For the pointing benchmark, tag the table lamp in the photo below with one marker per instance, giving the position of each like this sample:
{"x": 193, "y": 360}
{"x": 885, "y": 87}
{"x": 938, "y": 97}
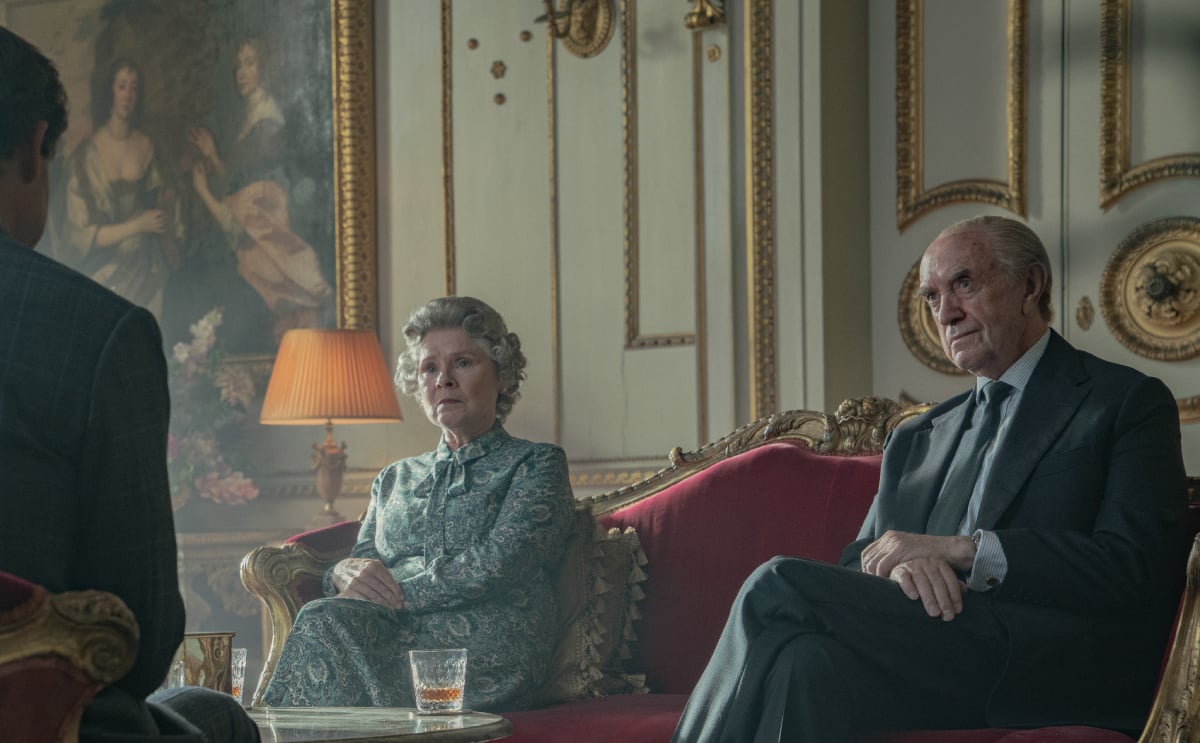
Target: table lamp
{"x": 326, "y": 377}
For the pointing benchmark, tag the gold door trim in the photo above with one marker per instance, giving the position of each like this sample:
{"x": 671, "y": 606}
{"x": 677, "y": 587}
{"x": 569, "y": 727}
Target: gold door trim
{"x": 629, "y": 134}
{"x": 448, "y": 148}
{"x": 760, "y": 205}
{"x": 912, "y": 199}
{"x": 1117, "y": 175}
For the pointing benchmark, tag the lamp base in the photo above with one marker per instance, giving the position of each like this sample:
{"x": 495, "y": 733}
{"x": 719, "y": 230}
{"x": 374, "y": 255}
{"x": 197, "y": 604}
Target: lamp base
{"x": 329, "y": 464}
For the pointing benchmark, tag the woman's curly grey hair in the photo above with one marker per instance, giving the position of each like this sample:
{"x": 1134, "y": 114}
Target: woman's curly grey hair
{"x": 481, "y": 323}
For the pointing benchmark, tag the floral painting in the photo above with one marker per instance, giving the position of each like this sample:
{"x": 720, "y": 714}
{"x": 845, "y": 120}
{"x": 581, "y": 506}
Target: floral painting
{"x": 205, "y": 446}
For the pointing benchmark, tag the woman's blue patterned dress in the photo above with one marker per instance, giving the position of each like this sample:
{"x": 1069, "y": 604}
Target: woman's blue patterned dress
{"x": 475, "y": 538}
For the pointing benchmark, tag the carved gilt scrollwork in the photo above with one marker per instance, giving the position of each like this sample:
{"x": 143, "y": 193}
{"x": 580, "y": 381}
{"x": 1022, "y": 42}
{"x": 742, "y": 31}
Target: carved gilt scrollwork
{"x": 1150, "y": 290}
{"x": 92, "y": 629}
{"x": 705, "y": 14}
{"x": 858, "y": 427}
{"x": 267, "y": 572}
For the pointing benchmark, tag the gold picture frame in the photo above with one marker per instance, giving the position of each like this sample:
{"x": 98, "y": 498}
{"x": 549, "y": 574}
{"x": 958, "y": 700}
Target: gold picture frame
{"x": 187, "y": 78}
{"x": 912, "y": 198}
{"x": 1118, "y": 176}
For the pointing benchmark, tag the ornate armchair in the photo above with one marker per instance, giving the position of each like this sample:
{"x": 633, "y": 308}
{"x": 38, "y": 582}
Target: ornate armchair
{"x": 56, "y": 652}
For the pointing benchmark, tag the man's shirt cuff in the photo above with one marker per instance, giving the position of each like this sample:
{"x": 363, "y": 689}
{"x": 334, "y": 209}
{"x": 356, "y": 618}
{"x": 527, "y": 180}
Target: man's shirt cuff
{"x": 990, "y": 565}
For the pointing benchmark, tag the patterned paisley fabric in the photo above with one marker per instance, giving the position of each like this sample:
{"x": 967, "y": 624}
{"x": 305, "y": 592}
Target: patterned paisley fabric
{"x": 475, "y": 538}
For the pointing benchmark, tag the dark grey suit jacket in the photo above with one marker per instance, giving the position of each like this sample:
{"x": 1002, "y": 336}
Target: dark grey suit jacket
{"x": 84, "y": 411}
{"x": 1088, "y": 498}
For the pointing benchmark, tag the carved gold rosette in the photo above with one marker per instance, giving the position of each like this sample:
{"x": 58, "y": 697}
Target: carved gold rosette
{"x": 918, "y": 329}
{"x": 1150, "y": 290}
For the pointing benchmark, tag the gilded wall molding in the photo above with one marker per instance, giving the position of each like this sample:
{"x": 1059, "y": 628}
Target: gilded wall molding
{"x": 1117, "y": 175}
{"x": 1189, "y": 409}
{"x": 701, "y": 236}
{"x": 912, "y": 198}
{"x": 918, "y": 328}
{"x": 1150, "y": 290}
{"x": 760, "y": 204}
{"x": 448, "y": 148}
{"x": 629, "y": 134}
{"x": 555, "y": 270}
{"x": 353, "y": 39}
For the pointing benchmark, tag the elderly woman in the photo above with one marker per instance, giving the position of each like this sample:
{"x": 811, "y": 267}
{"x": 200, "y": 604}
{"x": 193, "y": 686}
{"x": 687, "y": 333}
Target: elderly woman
{"x": 459, "y": 546}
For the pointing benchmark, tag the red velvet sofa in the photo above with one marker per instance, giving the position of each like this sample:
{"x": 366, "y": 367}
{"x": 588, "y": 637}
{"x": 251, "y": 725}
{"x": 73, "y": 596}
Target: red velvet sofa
{"x": 796, "y": 483}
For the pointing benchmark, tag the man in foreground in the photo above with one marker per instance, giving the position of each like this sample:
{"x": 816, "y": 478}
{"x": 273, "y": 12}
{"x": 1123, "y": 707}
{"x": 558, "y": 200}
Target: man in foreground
{"x": 1021, "y": 563}
{"x": 83, "y": 432}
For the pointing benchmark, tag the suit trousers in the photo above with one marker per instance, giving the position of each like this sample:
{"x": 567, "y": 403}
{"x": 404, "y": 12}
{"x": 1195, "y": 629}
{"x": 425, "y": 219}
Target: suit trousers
{"x": 817, "y": 652}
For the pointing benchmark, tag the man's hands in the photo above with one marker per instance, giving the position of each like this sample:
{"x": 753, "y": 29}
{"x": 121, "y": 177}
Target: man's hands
{"x": 924, "y": 566}
{"x": 369, "y": 580}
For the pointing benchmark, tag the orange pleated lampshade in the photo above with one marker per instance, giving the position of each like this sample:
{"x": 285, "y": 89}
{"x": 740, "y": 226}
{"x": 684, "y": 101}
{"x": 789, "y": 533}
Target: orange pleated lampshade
{"x": 330, "y": 375}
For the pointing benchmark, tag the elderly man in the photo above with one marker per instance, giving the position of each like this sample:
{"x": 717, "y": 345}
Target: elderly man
{"x": 1020, "y": 564}
{"x": 83, "y": 422}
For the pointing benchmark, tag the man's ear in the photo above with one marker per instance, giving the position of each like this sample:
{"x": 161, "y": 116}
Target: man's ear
{"x": 1035, "y": 284}
{"x": 29, "y": 155}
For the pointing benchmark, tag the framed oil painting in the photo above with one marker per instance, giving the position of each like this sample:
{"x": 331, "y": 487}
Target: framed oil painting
{"x": 220, "y": 154}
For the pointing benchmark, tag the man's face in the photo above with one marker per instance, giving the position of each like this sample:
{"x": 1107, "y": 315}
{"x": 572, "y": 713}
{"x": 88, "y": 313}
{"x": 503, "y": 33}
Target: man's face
{"x": 985, "y": 322}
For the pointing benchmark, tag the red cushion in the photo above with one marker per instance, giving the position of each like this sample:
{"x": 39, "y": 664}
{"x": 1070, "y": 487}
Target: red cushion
{"x": 651, "y": 718}
{"x": 1070, "y": 734}
{"x": 705, "y": 535}
{"x": 330, "y": 539}
{"x": 14, "y": 591}
{"x": 40, "y": 696}
{"x": 628, "y": 718}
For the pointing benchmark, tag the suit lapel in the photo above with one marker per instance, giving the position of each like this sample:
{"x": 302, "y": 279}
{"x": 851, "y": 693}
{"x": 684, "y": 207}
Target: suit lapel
{"x": 928, "y": 459}
{"x": 1055, "y": 390}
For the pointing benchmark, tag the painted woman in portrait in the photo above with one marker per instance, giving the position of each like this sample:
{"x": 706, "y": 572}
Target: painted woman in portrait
{"x": 121, "y": 225}
{"x": 247, "y": 194}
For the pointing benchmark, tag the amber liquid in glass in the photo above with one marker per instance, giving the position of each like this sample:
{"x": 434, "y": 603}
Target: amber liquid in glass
{"x": 439, "y": 698}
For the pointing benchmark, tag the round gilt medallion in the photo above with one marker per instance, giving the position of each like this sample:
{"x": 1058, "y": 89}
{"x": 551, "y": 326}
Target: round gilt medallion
{"x": 1150, "y": 290}
{"x": 918, "y": 328}
{"x": 588, "y": 26}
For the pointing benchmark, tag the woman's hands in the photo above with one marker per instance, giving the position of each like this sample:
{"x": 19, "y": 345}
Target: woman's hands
{"x": 369, "y": 580}
{"x": 202, "y": 139}
{"x": 151, "y": 220}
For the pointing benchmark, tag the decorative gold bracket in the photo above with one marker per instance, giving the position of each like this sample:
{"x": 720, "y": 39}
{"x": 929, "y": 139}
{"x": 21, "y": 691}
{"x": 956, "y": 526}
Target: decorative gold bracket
{"x": 583, "y": 26}
{"x": 705, "y": 14}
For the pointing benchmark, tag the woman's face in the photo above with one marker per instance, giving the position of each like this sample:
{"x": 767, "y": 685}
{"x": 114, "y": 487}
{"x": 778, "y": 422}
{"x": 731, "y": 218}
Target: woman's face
{"x": 124, "y": 93}
{"x": 247, "y": 70}
{"x": 458, "y": 384}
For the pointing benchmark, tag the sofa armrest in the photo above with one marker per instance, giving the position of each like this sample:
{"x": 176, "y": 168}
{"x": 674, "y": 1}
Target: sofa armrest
{"x": 56, "y": 652}
{"x": 1175, "y": 714}
{"x": 279, "y": 576}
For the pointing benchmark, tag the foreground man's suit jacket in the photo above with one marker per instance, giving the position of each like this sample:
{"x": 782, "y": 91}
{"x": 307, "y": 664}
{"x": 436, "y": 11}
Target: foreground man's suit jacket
{"x": 83, "y": 475}
{"x": 1088, "y": 498}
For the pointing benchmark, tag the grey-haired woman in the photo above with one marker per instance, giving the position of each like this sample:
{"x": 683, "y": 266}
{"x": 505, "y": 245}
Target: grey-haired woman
{"x": 459, "y": 546}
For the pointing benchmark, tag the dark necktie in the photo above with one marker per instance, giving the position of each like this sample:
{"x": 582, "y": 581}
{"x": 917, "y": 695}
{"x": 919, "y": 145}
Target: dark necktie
{"x": 964, "y": 471}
